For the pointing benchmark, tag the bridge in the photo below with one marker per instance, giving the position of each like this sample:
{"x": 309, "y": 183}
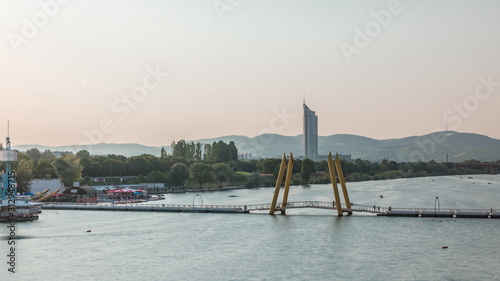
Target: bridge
{"x": 208, "y": 208}
{"x": 242, "y": 209}
{"x": 382, "y": 211}
{"x": 211, "y": 208}
{"x": 316, "y": 205}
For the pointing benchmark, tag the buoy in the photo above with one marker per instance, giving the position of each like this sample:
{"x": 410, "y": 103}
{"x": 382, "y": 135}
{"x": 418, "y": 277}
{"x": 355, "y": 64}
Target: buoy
{"x": 445, "y": 247}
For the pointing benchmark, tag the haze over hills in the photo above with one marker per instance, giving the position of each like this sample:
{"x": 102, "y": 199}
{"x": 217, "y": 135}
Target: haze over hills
{"x": 126, "y": 149}
{"x": 435, "y": 146}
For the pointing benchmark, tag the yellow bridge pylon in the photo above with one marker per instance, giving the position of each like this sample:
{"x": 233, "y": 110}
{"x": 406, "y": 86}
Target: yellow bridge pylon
{"x": 335, "y": 170}
{"x": 279, "y": 182}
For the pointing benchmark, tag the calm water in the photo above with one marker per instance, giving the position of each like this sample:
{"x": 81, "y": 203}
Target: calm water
{"x": 304, "y": 245}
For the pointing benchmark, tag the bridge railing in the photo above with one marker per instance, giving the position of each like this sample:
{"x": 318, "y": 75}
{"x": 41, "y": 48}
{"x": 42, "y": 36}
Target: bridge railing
{"x": 279, "y": 206}
{"x": 442, "y": 210}
{"x": 134, "y": 205}
{"x": 181, "y": 206}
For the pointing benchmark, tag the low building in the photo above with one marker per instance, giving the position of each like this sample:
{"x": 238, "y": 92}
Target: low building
{"x": 84, "y": 194}
{"x": 39, "y": 185}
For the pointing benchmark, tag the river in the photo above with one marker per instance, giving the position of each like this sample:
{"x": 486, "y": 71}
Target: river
{"x": 306, "y": 244}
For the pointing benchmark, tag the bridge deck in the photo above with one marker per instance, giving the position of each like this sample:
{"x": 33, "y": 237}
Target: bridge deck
{"x": 381, "y": 211}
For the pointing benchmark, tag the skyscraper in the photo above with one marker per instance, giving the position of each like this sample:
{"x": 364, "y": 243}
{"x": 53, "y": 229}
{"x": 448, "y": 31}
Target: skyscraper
{"x": 310, "y": 134}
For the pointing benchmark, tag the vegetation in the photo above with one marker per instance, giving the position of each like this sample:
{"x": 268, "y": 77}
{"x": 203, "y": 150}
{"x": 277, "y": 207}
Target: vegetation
{"x": 179, "y": 174}
{"x": 202, "y": 172}
{"x": 307, "y": 170}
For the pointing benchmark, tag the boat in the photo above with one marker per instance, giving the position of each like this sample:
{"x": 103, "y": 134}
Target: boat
{"x": 14, "y": 207}
{"x": 156, "y": 197}
{"x": 48, "y": 195}
{"x": 132, "y": 201}
{"x": 20, "y": 209}
{"x": 40, "y": 194}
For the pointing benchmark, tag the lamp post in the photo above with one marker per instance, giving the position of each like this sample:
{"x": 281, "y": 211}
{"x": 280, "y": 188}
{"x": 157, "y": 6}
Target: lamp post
{"x": 437, "y": 203}
{"x": 201, "y": 198}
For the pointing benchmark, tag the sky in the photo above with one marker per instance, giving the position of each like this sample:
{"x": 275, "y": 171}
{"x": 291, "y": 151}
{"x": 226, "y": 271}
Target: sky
{"x": 155, "y": 71}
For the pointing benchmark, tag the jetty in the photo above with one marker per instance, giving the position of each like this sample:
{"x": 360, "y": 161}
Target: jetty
{"x": 148, "y": 208}
{"x": 245, "y": 209}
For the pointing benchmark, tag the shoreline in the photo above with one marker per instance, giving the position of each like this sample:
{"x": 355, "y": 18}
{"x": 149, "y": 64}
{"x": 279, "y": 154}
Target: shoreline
{"x": 192, "y": 190}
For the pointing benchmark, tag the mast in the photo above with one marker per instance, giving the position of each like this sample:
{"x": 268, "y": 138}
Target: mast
{"x": 8, "y": 155}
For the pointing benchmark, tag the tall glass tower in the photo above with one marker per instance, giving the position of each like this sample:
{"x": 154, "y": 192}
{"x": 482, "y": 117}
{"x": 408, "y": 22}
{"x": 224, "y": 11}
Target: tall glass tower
{"x": 310, "y": 134}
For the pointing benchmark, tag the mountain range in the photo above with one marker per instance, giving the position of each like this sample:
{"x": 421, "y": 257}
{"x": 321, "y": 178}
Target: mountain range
{"x": 438, "y": 146}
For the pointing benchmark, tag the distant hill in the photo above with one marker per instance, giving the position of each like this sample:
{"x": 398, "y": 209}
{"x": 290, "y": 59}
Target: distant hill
{"x": 434, "y": 146}
{"x": 127, "y": 149}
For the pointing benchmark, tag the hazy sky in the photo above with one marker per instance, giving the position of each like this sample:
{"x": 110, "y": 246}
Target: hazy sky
{"x": 96, "y": 71}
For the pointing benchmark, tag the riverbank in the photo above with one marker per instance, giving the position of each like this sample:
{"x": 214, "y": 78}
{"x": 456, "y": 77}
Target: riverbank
{"x": 317, "y": 179}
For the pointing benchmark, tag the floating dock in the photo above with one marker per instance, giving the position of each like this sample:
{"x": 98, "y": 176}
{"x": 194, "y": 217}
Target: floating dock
{"x": 245, "y": 209}
{"x": 150, "y": 208}
{"x": 442, "y": 213}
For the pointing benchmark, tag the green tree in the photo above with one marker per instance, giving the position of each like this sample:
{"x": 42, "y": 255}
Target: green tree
{"x": 43, "y": 169}
{"x": 307, "y": 170}
{"x": 247, "y": 166}
{"x": 198, "y": 152}
{"x": 83, "y": 154}
{"x": 47, "y": 154}
{"x": 322, "y": 166}
{"x": 223, "y": 173}
{"x": 34, "y": 154}
{"x": 68, "y": 169}
{"x": 220, "y": 151}
{"x": 163, "y": 153}
{"x": 87, "y": 167}
{"x": 156, "y": 177}
{"x": 202, "y": 172}
{"x": 142, "y": 164}
{"x": 267, "y": 166}
{"x": 24, "y": 175}
{"x": 179, "y": 174}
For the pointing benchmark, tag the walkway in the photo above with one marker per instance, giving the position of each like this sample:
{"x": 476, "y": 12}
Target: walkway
{"x": 380, "y": 211}
{"x": 148, "y": 208}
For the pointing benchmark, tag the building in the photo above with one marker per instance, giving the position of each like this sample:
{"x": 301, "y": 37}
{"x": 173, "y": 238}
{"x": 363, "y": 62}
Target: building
{"x": 310, "y": 134}
{"x": 84, "y": 194}
{"x": 39, "y": 185}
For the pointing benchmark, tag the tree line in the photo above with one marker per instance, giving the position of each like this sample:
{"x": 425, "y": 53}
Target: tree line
{"x": 192, "y": 165}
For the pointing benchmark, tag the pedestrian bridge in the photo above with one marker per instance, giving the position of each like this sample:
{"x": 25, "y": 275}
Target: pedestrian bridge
{"x": 317, "y": 205}
{"x": 238, "y": 209}
{"x": 210, "y": 208}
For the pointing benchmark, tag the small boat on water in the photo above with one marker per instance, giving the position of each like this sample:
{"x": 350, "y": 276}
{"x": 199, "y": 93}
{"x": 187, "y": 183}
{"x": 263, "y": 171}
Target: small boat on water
{"x": 133, "y": 201}
{"x": 156, "y": 197}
